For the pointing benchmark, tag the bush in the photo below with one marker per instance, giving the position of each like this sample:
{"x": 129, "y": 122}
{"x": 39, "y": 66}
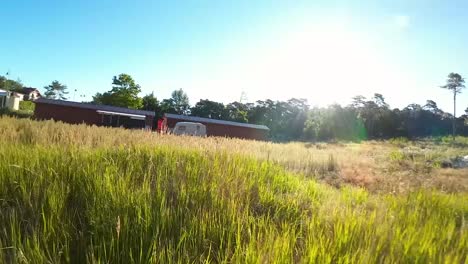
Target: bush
{"x": 399, "y": 141}
{"x": 17, "y": 114}
{"x": 28, "y": 106}
{"x": 397, "y": 156}
{"x": 458, "y": 141}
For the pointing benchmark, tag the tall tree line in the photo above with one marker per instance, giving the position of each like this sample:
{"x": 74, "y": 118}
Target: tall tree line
{"x": 363, "y": 119}
{"x": 293, "y": 119}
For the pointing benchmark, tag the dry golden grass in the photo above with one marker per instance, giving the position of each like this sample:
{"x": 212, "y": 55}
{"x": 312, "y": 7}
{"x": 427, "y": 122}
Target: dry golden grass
{"x": 379, "y": 166}
{"x": 78, "y": 194}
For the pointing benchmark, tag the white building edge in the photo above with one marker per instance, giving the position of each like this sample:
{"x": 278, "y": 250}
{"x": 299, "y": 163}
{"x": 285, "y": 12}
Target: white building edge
{"x": 10, "y": 100}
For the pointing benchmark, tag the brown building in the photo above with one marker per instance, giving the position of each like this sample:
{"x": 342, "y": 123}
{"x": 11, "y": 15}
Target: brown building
{"x": 100, "y": 115}
{"x": 219, "y": 128}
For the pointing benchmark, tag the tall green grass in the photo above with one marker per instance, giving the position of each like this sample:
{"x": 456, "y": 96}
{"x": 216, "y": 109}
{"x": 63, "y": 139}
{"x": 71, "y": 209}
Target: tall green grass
{"x": 149, "y": 203}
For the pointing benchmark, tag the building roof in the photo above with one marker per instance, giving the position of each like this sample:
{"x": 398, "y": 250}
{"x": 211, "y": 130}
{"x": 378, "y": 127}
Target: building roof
{"x": 101, "y": 108}
{"x": 28, "y": 90}
{"x": 132, "y": 116}
{"x": 16, "y": 94}
{"x": 214, "y": 121}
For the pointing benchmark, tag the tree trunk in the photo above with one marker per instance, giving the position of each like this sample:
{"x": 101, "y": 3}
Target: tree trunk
{"x": 454, "y": 120}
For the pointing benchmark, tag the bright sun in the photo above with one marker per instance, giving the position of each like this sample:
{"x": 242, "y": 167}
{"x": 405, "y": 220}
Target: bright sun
{"x": 326, "y": 63}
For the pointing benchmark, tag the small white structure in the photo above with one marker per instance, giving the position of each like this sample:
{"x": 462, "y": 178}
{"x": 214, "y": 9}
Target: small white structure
{"x": 10, "y": 100}
{"x": 190, "y": 128}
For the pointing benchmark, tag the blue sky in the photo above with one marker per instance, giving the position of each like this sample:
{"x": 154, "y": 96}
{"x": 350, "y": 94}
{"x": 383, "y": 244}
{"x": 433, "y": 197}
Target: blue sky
{"x": 325, "y": 51}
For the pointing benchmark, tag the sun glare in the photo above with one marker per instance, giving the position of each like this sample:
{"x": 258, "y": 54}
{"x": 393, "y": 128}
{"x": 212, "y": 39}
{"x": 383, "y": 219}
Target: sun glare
{"x": 316, "y": 59}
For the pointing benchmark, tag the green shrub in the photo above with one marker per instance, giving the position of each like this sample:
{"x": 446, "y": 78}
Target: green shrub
{"x": 459, "y": 141}
{"x": 397, "y": 156}
{"x": 27, "y": 106}
{"x": 399, "y": 141}
{"x": 17, "y": 114}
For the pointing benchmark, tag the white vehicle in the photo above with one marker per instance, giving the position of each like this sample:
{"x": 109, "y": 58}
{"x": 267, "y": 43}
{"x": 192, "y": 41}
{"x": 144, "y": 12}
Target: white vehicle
{"x": 190, "y": 129}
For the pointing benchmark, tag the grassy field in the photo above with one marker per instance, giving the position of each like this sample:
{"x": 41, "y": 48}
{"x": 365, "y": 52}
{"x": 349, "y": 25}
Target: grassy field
{"x": 100, "y": 195}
